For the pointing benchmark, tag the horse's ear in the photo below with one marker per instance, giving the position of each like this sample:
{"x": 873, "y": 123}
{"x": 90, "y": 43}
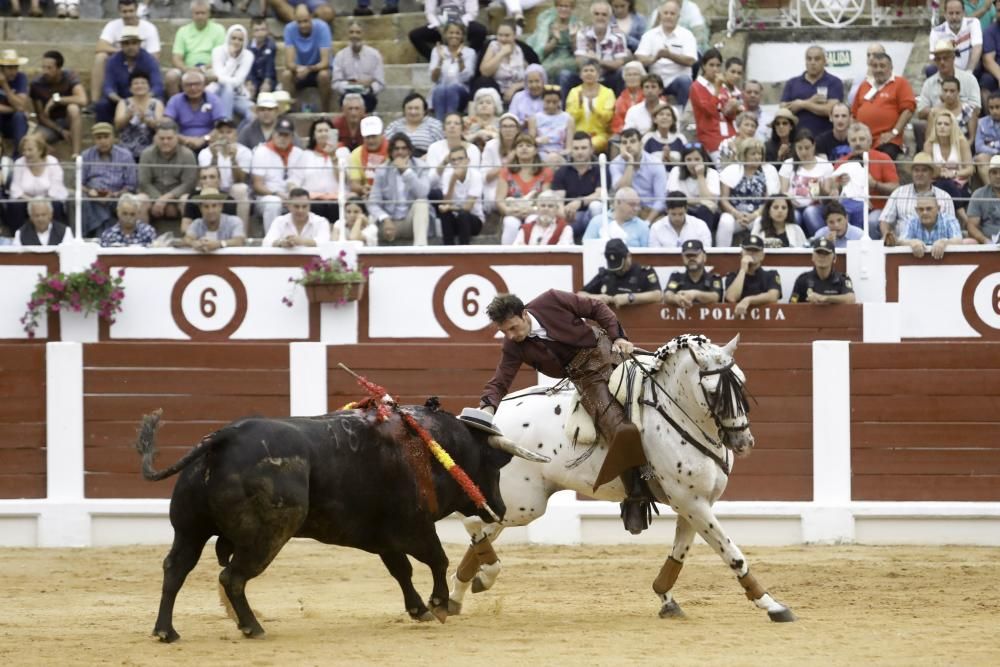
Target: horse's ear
{"x": 730, "y": 347}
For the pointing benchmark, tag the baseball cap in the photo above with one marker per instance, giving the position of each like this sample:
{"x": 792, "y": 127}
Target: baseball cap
{"x": 225, "y": 122}
{"x": 284, "y": 126}
{"x": 994, "y": 162}
{"x": 615, "y": 253}
{"x": 267, "y": 101}
{"x": 753, "y": 242}
{"x": 102, "y": 128}
{"x": 371, "y": 126}
{"x": 692, "y": 245}
{"x": 823, "y": 245}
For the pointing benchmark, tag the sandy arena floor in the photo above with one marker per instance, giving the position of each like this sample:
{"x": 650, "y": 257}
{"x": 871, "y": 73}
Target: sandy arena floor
{"x": 551, "y": 606}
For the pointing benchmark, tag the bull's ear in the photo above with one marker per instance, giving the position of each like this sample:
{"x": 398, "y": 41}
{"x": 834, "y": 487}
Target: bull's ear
{"x": 509, "y": 446}
{"x": 730, "y": 347}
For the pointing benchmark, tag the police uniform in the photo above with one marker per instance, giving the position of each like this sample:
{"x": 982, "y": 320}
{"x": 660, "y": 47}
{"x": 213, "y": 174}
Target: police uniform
{"x": 835, "y": 283}
{"x": 636, "y": 279}
{"x": 758, "y": 283}
{"x": 681, "y": 281}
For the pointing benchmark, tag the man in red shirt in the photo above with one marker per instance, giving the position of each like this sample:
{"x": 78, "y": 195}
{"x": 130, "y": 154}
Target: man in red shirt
{"x": 885, "y": 106}
{"x": 348, "y": 123}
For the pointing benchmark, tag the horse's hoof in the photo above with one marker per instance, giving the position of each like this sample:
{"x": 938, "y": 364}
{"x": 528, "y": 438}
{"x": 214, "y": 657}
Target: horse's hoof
{"x": 253, "y": 632}
{"x": 477, "y": 585}
{"x": 454, "y": 608}
{"x": 784, "y": 615}
{"x": 440, "y": 613}
{"x": 424, "y": 617}
{"x": 672, "y": 610}
{"x": 167, "y": 636}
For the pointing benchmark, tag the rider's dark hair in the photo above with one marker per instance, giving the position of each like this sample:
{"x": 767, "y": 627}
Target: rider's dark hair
{"x": 503, "y": 307}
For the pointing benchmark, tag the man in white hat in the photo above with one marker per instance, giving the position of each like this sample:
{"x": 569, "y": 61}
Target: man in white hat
{"x": 118, "y": 71}
{"x": 14, "y": 102}
{"x": 902, "y": 203}
{"x": 984, "y": 207}
{"x": 108, "y": 43}
{"x": 262, "y": 127}
{"x": 944, "y": 56}
{"x": 366, "y": 158}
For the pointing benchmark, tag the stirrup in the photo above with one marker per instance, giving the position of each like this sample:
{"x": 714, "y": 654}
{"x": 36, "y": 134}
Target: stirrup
{"x": 636, "y": 514}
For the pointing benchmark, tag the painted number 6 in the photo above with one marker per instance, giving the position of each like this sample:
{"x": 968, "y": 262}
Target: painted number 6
{"x": 206, "y": 302}
{"x": 469, "y": 304}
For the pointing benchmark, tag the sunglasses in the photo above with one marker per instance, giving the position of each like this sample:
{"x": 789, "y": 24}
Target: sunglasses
{"x": 697, "y": 144}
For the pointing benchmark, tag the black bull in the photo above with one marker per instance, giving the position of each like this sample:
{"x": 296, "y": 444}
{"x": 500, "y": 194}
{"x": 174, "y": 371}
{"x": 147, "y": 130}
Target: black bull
{"x": 340, "y": 479}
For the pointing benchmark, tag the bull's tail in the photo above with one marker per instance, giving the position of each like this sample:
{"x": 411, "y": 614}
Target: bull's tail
{"x": 146, "y": 446}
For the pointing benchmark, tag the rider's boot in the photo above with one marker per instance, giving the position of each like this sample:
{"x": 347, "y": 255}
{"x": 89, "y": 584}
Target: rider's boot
{"x": 637, "y": 507}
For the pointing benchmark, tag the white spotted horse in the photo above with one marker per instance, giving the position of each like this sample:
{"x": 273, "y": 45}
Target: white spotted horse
{"x": 689, "y": 401}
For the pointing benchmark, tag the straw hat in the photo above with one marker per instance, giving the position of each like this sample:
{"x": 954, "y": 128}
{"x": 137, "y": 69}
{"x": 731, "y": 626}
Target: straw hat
{"x": 787, "y": 115}
{"x": 925, "y": 160}
{"x": 9, "y": 58}
{"x": 210, "y": 194}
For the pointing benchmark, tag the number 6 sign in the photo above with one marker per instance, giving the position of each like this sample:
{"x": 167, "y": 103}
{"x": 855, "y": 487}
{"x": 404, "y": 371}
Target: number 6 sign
{"x": 460, "y": 300}
{"x": 209, "y": 306}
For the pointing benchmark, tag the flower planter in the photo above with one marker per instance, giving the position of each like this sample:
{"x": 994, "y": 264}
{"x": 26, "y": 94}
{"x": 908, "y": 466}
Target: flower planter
{"x": 335, "y": 292}
{"x": 77, "y": 327}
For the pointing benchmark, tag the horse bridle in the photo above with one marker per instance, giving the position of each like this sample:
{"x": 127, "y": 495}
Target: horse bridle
{"x": 727, "y": 376}
{"x": 721, "y": 461}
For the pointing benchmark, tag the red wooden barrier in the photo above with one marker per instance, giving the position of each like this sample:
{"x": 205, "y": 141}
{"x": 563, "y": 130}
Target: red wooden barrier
{"x": 22, "y": 420}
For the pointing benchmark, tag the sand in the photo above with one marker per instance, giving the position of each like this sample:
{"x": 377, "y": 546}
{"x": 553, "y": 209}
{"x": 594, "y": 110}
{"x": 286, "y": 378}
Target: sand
{"x": 551, "y": 606}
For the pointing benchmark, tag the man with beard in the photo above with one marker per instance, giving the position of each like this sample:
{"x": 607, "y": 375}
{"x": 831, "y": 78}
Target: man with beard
{"x": 694, "y": 284}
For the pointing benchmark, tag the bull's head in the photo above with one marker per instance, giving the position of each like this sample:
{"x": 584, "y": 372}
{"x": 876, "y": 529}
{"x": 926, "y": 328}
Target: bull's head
{"x": 487, "y": 475}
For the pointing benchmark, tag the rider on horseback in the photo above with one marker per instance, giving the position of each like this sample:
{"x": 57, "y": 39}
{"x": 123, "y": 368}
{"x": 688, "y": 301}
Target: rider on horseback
{"x": 550, "y": 334}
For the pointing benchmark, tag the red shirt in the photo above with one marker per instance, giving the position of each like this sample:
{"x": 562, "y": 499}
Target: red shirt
{"x": 624, "y": 102}
{"x": 712, "y": 126}
{"x": 344, "y": 134}
{"x": 883, "y": 110}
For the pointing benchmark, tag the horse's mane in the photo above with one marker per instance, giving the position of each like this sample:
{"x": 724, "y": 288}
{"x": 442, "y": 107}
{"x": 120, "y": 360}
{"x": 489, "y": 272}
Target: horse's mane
{"x": 679, "y": 343}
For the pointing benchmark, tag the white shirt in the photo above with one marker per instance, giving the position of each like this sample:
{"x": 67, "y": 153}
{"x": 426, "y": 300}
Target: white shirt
{"x": 733, "y": 174}
{"x": 369, "y": 233}
{"x": 689, "y": 186}
{"x": 801, "y": 179}
{"x": 316, "y": 228}
{"x": 681, "y": 40}
{"x": 267, "y": 163}
{"x": 472, "y": 186}
{"x": 969, "y": 35}
{"x": 43, "y": 237}
{"x": 244, "y": 156}
{"x": 438, "y": 151}
{"x": 537, "y": 330}
{"x": 662, "y": 234}
{"x": 638, "y": 117}
{"x": 320, "y": 176}
{"x": 24, "y": 184}
{"x": 150, "y": 36}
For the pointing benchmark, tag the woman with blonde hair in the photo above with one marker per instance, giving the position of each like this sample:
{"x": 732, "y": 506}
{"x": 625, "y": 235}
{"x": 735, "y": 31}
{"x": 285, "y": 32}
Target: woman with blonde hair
{"x": 953, "y": 157}
{"x": 34, "y": 174}
{"x": 498, "y": 153}
{"x": 519, "y": 185}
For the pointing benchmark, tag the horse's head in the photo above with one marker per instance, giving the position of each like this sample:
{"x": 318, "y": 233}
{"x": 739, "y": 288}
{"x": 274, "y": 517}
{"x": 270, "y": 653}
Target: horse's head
{"x": 722, "y": 384}
{"x": 707, "y": 376}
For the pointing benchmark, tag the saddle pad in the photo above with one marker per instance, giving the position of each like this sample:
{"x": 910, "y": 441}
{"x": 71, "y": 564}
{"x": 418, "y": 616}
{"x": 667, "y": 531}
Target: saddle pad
{"x": 580, "y": 427}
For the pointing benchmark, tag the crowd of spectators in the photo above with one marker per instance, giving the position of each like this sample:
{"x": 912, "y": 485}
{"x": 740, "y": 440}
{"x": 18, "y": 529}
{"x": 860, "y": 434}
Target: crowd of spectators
{"x": 510, "y": 133}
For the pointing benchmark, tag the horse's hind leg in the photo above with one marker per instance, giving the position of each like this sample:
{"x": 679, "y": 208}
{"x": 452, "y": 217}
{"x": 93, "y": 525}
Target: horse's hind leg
{"x": 183, "y": 556}
{"x": 664, "y": 583}
{"x": 704, "y": 521}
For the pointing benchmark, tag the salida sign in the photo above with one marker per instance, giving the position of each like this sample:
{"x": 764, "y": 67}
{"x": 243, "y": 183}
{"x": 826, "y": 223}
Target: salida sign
{"x": 721, "y": 313}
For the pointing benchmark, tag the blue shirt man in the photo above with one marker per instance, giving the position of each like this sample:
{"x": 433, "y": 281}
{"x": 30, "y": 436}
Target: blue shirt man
{"x": 637, "y": 169}
{"x": 812, "y": 96}
{"x": 307, "y": 47}
{"x": 623, "y": 223}
{"x": 13, "y": 123}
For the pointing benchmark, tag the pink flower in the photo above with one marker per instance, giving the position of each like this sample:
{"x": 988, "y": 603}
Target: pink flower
{"x": 99, "y": 278}
{"x": 57, "y": 284}
{"x": 54, "y": 308}
{"x": 121, "y": 273}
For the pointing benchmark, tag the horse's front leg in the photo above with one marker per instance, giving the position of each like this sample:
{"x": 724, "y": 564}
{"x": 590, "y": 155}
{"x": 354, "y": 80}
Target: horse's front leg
{"x": 479, "y": 567}
{"x": 704, "y": 521}
{"x": 664, "y": 583}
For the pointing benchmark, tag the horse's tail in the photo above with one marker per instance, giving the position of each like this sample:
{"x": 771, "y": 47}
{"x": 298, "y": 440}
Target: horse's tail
{"x": 146, "y": 446}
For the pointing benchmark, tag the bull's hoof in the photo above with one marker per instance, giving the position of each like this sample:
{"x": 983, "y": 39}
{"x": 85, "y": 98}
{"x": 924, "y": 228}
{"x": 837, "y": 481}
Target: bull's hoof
{"x": 168, "y": 636}
{"x": 477, "y": 585}
{"x": 672, "y": 610}
{"x": 254, "y": 632}
{"x": 783, "y": 615}
{"x": 454, "y": 608}
{"x": 440, "y": 613}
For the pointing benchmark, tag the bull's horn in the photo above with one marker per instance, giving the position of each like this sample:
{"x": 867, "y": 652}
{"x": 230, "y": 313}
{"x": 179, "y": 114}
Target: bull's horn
{"x": 509, "y": 446}
{"x": 730, "y": 347}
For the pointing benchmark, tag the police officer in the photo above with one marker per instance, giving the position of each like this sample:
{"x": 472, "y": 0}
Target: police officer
{"x": 823, "y": 284}
{"x": 624, "y": 282}
{"x": 694, "y": 284}
{"x": 752, "y": 285}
